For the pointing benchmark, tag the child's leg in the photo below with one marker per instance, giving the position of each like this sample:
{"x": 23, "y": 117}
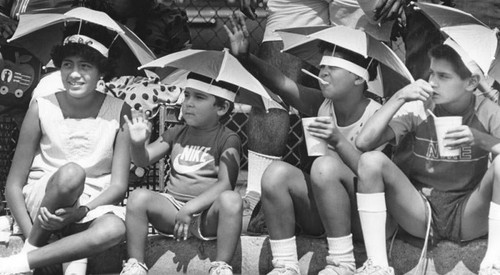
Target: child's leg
{"x": 143, "y": 207}
{"x": 223, "y": 220}
{"x": 382, "y": 183}
{"x": 102, "y": 234}
{"x": 287, "y": 198}
{"x": 333, "y": 188}
{"x": 482, "y": 212}
{"x": 63, "y": 190}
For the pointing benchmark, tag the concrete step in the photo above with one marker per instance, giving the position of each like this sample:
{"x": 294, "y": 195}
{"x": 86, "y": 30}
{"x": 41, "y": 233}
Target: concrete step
{"x": 253, "y": 256}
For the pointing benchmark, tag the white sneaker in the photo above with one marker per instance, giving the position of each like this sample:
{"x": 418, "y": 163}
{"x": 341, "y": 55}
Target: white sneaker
{"x": 369, "y": 269}
{"x": 220, "y": 268}
{"x": 334, "y": 267}
{"x": 284, "y": 269}
{"x": 134, "y": 267}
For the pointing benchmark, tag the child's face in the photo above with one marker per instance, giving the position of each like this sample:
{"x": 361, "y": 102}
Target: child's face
{"x": 340, "y": 81}
{"x": 79, "y": 76}
{"x": 199, "y": 110}
{"x": 447, "y": 84}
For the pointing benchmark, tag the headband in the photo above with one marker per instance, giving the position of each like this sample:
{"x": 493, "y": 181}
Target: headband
{"x": 345, "y": 64}
{"x": 82, "y": 39}
{"x": 210, "y": 88}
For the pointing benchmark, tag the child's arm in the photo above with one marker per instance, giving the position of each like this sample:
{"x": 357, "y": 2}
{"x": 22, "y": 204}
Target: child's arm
{"x": 144, "y": 154}
{"x": 29, "y": 140}
{"x": 306, "y": 100}
{"x": 228, "y": 174}
{"x": 376, "y": 130}
{"x": 120, "y": 168}
{"x": 465, "y": 136}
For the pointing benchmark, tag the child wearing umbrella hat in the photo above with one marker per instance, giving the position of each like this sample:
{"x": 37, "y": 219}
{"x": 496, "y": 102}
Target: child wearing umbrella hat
{"x": 458, "y": 193}
{"x": 198, "y": 200}
{"x": 322, "y": 202}
{"x": 71, "y": 163}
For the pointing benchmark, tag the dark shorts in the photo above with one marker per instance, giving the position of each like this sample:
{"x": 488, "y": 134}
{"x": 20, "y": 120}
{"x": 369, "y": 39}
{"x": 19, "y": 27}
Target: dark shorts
{"x": 447, "y": 212}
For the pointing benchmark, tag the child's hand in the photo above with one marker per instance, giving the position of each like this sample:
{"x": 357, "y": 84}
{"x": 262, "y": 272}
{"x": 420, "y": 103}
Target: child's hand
{"x": 238, "y": 36}
{"x": 326, "y": 129}
{"x": 182, "y": 223}
{"x": 59, "y": 219}
{"x": 139, "y": 127}
{"x": 459, "y": 136}
{"x": 418, "y": 90}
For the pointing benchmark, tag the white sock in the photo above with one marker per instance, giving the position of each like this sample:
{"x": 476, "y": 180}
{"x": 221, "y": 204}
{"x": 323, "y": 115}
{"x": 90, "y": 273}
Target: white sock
{"x": 77, "y": 267}
{"x": 492, "y": 255}
{"x": 257, "y": 164}
{"x": 373, "y": 216}
{"x": 285, "y": 251}
{"x": 16, "y": 264}
{"x": 341, "y": 250}
{"x": 28, "y": 247}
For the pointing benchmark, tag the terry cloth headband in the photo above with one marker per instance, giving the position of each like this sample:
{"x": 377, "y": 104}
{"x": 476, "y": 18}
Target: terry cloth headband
{"x": 82, "y": 39}
{"x": 210, "y": 88}
{"x": 345, "y": 64}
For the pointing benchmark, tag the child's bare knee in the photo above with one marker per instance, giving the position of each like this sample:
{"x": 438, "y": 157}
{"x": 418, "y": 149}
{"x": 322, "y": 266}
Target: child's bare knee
{"x": 137, "y": 198}
{"x": 231, "y": 201}
{"x": 69, "y": 178}
{"x": 275, "y": 176}
{"x": 371, "y": 161}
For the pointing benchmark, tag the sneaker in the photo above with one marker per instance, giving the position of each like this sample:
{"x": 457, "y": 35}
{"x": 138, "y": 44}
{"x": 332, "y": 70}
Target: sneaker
{"x": 220, "y": 268}
{"x": 369, "y": 269}
{"x": 334, "y": 267}
{"x": 490, "y": 270}
{"x": 133, "y": 267}
{"x": 283, "y": 269}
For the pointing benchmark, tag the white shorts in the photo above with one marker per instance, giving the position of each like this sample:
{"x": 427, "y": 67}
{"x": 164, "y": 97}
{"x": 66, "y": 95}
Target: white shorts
{"x": 195, "y": 227}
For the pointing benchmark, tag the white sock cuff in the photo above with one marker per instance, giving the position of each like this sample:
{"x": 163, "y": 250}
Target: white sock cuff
{"x": 338, "y": 245}
{"x": 257, "y": 164}
{"x": 28, "y": 247}
{"x": 282, "y": 242}
{"x": 371, "y": 202}
{"x": 494, "y": 213}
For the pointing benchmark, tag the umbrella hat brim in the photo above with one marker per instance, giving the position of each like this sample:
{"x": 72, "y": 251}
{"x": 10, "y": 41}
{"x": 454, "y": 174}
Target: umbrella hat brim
{"x": 49, "y": 28}
{"x": 309, "y": 50}
{"x": 218, "y": 65}
{"x": 443, "y": 16}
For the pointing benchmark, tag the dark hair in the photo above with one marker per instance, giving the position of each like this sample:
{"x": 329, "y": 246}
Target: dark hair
{"x": 219, "y": 101}
{"x": 447, "y": 53}
{"x": 105, "y": 65}
{"x": 355, "y": 58}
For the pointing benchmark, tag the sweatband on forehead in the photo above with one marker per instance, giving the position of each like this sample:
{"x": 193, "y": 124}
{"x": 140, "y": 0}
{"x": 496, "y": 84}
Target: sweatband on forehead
{"x": 210, "y": 88}
{"x": 85, "y": 40}
{"x": 345, "y": 64}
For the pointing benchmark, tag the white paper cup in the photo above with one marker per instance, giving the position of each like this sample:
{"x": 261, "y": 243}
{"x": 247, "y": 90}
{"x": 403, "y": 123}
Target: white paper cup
{"x": 368, "y": 6}
{"x": 442, "y": 125}
{"x": 315, "y": 146}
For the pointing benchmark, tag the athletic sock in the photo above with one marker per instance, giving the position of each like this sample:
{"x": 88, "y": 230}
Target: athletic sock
{"x": 373, "y": 216}
{"x": 492, "y": 255}
{"x": 285, "y": 251}
{"x": 341, "y": 250}
{"x": 28, "y": 247}
{"x": 15, "y": 264}
{"x": 76, "y": 267}
{"x": 257, "y": 164}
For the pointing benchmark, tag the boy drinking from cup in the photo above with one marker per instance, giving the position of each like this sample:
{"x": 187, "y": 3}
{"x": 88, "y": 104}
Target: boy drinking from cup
{"x": 461, "y": 190}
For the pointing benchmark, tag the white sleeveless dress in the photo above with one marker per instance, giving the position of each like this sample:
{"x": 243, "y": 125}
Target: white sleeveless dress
{"x": 88, "y": 142}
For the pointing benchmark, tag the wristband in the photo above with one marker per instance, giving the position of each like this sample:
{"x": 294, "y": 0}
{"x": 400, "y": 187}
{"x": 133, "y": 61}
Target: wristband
{"x": 86, "y": 208}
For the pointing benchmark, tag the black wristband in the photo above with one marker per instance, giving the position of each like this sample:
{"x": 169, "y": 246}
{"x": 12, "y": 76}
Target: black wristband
{"x": 86, "y": 208}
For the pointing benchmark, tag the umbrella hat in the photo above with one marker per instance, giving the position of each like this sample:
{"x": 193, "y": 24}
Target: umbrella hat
{"x": 479, "y": 41}
{"x": 358, "y": 41}
{"x": 218, "y": 65}
{"x": 49, "y": 28}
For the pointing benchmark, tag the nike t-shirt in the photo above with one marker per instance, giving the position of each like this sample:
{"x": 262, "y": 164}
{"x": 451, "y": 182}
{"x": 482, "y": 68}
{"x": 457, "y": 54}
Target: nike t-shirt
{"x": 194, "y": 158}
